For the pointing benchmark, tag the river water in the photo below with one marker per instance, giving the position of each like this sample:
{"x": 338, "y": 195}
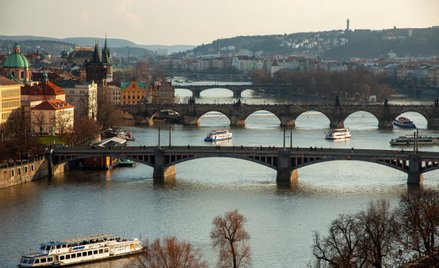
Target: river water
{"x": 281, "y": 221}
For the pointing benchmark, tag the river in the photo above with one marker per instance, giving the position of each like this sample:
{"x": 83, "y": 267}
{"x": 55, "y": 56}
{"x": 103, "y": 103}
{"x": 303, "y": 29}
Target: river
{"x": 281, "y": 221}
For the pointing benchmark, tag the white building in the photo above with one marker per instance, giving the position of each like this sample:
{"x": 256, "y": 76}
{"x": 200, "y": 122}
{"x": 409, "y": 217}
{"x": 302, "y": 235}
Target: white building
{"x": 52, "y": 117}
{"x": 84, "y": 98}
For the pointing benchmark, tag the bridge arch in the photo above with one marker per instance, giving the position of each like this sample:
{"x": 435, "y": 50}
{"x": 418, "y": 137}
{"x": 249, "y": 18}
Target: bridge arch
{"x": 183, "y": 92}
{"x": 218, "y": 118}
{"x": 367, "y": 120}
{"x": 312, "y": 118}
{"x": 209, "y": 92}
{"x": 269, "y": 119}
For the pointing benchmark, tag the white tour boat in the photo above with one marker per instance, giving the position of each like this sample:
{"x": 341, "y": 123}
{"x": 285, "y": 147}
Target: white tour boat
{"x": 219, "y": 135}
{"x": 338, "y": 134}
{"x": 410, "y": 140}
{"x": 80, "y": 250}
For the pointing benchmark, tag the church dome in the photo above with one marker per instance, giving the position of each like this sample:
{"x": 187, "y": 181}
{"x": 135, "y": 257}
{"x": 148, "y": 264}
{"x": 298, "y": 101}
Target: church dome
{"x": 16, "y": 59}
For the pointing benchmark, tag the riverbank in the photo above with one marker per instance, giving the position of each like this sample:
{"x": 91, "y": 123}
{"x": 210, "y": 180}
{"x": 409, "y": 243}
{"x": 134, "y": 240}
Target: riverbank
{"x": 23, "y": 171}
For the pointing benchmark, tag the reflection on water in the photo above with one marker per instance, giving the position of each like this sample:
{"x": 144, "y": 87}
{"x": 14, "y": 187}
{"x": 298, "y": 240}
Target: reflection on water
{"x": 281, "y": 220}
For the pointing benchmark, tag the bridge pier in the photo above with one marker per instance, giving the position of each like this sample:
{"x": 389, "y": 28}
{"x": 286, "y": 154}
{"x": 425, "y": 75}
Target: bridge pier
{"x": 237, "y": 93}
{"x": 161, "y": 171}
{"x": 163, "y": 174}
{"x": 190, "y": 120}
{"x": 237, "y": 122}
{"x": 385, "y": 124}
{"x": 415, "y": 176}
{"x": 285, "y": 174}
{"x": 336, "y": 124}
{"x": 287, "y": 122}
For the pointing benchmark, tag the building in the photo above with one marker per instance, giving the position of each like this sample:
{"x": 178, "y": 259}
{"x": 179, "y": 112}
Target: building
{"x": 133, "y": 93}
{"x": 10, "y": 98}
{"x": 84, "y": 98}
{"x": 163, "y": 93}
{"x": 114, "y": 92}
{"x": 32, "y": 95}
{"x": 52, "y": 117}
{"x": 17, "y": 66}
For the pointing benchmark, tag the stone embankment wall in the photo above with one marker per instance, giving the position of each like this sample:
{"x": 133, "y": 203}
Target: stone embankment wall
{"x": 22, "y": 172}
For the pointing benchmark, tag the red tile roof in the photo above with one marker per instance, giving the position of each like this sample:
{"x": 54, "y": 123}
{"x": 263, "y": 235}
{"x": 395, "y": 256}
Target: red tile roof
{"x": 44, "y": 88}
{"x": 53, "y": 105}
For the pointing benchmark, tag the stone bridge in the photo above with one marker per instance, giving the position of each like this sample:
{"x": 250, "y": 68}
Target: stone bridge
{"x": 286, "y": 113}
{"x": 237, "y": 89}
{"x": 285, "y": 161}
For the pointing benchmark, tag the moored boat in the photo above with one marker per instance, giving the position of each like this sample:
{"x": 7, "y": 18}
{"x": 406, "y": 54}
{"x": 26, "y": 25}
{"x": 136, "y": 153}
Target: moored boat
{"x": 410, "y": 140}
{"x": 403, "y": 122}
{"x": 218, "y": 135}
{"x": 81, "y": 250}
{"x": 338, "y": 134}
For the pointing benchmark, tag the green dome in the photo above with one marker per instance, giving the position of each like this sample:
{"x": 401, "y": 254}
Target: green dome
{"x": 16, "y": 59}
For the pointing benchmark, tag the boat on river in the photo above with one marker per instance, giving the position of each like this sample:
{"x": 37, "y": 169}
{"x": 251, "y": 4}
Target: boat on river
{"x": 404, "y": 122}
{"x": 410, "y": 140}
{"x": 80, "y": 250}
{"x": 338, "y": 134}
{"x": 219, "y": 135}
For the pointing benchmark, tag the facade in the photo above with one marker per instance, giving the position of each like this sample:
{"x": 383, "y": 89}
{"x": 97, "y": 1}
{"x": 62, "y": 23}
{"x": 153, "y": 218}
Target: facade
{"x": 114, "y": 93}
{"x": 52, "y": 117}
{"x": 17, "y": 66}
{"x": 133, "y": 93}
{"x": 163, "y": 93}
{"x": 9, "y": 98}
{"x": 84, "y": 98}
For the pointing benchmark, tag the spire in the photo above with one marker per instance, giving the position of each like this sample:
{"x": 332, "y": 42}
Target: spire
{"x": 105, "y": 52}
{"x": 96, "y": 57}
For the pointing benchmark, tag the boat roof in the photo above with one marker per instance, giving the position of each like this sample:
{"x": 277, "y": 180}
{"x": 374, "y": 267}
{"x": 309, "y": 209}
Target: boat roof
{"x": 79, "y": 239}
{"x": 33, "y": 255}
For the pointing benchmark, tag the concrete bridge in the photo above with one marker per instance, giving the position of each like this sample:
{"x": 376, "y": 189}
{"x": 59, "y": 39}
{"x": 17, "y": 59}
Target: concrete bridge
{"x": 285, "y": 161}
{"x": 286, "y": 113}
{"x": 236, "y": 89}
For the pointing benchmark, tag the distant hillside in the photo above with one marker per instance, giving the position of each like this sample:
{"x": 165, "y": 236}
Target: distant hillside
{"x": 114, "y": 43}
{"x": 331, "y": 44}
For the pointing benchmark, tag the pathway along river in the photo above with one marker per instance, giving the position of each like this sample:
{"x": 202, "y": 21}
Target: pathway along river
{"x": 281, "y": 222}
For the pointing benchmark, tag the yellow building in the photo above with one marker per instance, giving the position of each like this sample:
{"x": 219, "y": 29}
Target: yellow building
{"x": 10, "y": 98}
{"x": 132, "y": 93}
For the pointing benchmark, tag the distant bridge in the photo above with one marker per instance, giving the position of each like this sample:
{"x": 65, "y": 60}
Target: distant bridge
{"x": 286, "y": 113}
{"x": 237, "y": 89}
{"x": 285, "y": 161}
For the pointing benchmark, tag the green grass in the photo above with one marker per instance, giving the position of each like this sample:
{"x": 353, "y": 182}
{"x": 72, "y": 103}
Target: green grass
{"x": 49, "y": 140}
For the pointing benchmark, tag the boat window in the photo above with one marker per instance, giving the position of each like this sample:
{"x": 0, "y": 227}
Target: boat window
{"x": 49, "y": 259}
{"x": 106, "y": 250}
{"x": 61, "y": 257}
{"x": 68, "y": 257}
{"x": 43, "y": 260}
{"x": 90, "y": 253}
{"x": 37, "y": 261}
{"x": 101, "y": 251}
{"x": 95, "y": 252}
{"x": 23, "y": 260}
{"x": 84, "y": 253}
{"x": 58, "y": 246}
{"x": 30, "y": 261}
{"x": 42, "y": 248}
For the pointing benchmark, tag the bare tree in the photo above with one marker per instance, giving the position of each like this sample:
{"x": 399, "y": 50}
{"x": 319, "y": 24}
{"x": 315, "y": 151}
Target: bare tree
{"x": 379, "y": 233}
{"x": 108, "y": 114}
{"x": 84, "y": 132}
{"x": 171, "y": 253}
{"x": 63, "y": 119}
{"x": 231, "y": 238}
{"x": 39, "y": 119}
{"x": 340, "y": 247}
{"x": 419, "y": 218}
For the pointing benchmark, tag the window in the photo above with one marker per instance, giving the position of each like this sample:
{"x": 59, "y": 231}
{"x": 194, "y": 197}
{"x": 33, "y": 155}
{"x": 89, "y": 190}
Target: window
{"x": 32, "y": 168}
{"x": 25, "y": 169}
{"x": 101, "y": 251}
{"x": 61, "y": 258}
{"x": 49, "y": 259}
{"x": 37, "y": 261}
{"x": 90, "y": 253}
{"x": 95, "y": 252}
{"x": 68, "y": 257}
{"x": 12, "y": 173}
{"x": 106, "y": 250}
{"x": 43, "y": 260}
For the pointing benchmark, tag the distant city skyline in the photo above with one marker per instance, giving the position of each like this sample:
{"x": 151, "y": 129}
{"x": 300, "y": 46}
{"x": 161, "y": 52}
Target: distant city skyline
{"x": 194, "y": 22}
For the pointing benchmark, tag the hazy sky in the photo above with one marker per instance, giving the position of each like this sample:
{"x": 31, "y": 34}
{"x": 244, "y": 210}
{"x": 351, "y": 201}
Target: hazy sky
{"x": 195, "y": 22}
